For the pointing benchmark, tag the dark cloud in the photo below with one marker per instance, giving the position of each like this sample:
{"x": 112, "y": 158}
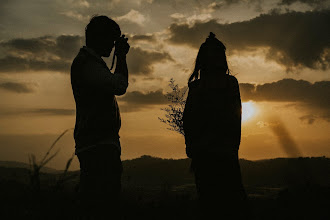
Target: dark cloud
{"x": 37, "y": 54}
{"x": 140, "y": 62}
{"x": 314, "y": 3}
{"x": 309, "y": 119}
{"x": 63, "y": 46}
{"x": 67, "y": 46}
{"x": 313, "y": 97}
{"x": 56, "y": 54}
{"x": 37, "y": 112}
{"x": 33, "y": 45}
{"x": 312, "y": 116}
{"x": 289, "y": 90}
{"x": 18, "y": 87}
{"x": 18, "y": 64}
{"x": 293, "y": 39}
{"x": 149, "y": 98}
{"x": 137, "y": 101}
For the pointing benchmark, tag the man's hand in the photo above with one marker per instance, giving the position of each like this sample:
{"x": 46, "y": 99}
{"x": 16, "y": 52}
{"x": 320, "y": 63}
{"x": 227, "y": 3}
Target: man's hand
{"x": 121, "y": 49}
{"x": 121, "y": 46}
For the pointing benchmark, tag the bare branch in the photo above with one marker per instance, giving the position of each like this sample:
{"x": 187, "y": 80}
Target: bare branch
{"x": 174, "y": 111}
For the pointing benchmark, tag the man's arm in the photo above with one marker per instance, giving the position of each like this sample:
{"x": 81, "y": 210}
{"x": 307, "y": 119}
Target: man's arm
{"x": 121, "y": 73}
{"x": 97, "y": 76}
{"x": 121, "y": 49}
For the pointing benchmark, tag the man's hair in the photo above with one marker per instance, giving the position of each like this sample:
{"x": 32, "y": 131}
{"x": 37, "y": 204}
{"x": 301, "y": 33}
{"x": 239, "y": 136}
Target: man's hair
{"x": 100, "y": 27}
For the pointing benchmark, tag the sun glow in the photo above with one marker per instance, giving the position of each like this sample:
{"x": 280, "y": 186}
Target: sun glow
{"x": 248, "y": 111}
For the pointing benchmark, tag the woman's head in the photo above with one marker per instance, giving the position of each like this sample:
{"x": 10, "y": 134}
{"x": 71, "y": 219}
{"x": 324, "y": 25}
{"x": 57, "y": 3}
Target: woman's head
{"x": 211, "y": 58}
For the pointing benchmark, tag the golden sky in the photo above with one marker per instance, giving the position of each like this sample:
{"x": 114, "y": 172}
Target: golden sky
{"x": 279, "y": 50}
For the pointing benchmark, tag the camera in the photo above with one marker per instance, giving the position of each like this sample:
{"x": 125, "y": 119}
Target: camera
{"x": 121, "y": 46}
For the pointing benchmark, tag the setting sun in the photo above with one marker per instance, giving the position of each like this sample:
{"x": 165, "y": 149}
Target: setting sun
{"x": 248, "y": 110}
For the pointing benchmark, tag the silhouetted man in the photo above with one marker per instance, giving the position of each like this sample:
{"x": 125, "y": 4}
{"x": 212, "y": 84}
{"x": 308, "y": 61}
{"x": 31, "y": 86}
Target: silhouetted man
{"x": 97, "y": 116}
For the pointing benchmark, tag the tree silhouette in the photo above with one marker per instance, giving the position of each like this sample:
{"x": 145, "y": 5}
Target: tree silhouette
{"x": 174, "y": 111}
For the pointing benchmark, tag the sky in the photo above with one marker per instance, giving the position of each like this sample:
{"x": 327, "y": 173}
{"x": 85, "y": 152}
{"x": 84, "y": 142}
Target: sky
{"x": 279, "y": 50}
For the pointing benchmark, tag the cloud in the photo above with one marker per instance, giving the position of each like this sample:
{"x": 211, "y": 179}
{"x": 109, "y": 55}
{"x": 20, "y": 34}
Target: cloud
{"x": 75, "y": 15}
{"x": 289, "y": 90}
{"x": 149, "y": 98}
{"x": 314, "y": 3}
{"x": 83, "y": 4}
{"x": 293, "y": 39}
{"x": 63, "y": 46}
{"x": 132, "y": 16}
{"x": 177, "y": 16}
{"x": 313, "y": 97}
{"x": 309, "y": 119}
{"x": 216, "y": 5}
{"x": 150, "y": 38}
{"x": 18, "y": 87}
{"x": 137, "y": 101}
{"x": 140, "y": 61}
{"x": 56, "y": 54}
{"x": 42, "y": 53}
{"x": 37, "y": 112}
{"x": 312, "y": 116}
{"x": 200, "y": 17}
{"x": 16, "y": 64}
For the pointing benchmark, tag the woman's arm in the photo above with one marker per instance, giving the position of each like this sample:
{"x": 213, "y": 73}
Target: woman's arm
{"x": 237, "y": 113}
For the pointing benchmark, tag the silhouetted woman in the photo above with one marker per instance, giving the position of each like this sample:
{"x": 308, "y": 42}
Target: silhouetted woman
{"x": 212, "y": 126}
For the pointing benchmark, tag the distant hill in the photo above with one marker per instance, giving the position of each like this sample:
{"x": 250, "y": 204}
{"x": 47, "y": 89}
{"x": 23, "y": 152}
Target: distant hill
{"x": 278, "y": 172}
{"x": 148, "y": 171}
{"x": 14, "y": 164}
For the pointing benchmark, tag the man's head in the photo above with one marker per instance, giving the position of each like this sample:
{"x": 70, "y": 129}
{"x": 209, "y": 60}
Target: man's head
{"x": 101, "y": 33}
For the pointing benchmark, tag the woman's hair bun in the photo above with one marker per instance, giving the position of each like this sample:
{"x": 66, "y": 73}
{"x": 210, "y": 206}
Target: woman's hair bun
{"x": 212, "y": 35}
{"x": 213, "y": 42}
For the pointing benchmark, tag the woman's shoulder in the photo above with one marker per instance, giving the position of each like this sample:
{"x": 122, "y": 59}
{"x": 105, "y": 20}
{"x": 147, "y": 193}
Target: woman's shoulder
{"x": 194, "y": 84}
{"x": 232, "y": 79}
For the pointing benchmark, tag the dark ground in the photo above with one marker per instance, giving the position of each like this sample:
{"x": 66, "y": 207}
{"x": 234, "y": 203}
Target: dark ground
{"x": 155, "y": 188}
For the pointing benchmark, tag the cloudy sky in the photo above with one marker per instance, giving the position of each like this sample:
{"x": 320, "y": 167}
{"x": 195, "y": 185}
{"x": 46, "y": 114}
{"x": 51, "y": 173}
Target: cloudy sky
{"x": 279, "y": 50}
